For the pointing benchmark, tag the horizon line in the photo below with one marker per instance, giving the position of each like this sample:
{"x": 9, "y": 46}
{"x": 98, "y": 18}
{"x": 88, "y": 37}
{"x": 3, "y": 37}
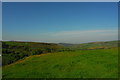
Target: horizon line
{"x": 57, "y": 42}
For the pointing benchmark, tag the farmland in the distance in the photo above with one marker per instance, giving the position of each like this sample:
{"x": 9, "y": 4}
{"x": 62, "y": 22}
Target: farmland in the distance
{"x": 50, "y": 60}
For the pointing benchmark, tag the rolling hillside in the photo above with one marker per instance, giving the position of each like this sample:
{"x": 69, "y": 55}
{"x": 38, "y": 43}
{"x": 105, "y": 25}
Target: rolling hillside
{"x": 49, "y": 60}
{"x": 14, "y": 50}
{"x": 102, "y": 63}
{"x": 96, "y": 45}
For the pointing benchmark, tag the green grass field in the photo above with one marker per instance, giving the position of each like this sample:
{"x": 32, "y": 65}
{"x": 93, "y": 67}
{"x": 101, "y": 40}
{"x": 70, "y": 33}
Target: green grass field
{"x": 100, "y": 63}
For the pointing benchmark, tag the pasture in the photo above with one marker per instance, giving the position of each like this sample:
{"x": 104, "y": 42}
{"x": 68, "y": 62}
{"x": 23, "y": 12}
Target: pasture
{"x": 99, "y": 63}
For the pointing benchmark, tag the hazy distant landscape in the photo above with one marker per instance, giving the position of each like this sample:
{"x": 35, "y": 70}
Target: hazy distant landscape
{"x": 50, "y": 60}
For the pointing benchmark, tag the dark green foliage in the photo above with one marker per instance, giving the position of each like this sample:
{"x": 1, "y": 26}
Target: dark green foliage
{"x": 13, "y": 51}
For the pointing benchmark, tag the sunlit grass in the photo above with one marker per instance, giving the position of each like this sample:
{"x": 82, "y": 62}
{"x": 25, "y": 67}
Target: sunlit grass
{"x": 102, "y": 63}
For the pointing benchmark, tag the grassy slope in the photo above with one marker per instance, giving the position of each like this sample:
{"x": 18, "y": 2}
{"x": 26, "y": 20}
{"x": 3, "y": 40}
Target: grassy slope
{"x": 100, "y": 63}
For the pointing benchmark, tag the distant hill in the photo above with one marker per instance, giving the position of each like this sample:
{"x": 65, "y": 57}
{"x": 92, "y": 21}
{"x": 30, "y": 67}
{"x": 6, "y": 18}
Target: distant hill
{"x": 66, "y": 44}
{"x": 94, "y": 45}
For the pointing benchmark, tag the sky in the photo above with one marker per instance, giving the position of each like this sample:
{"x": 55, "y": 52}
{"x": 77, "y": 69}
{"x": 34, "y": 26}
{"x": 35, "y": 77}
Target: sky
{"x": 60, "y": 0}
{"x": 60, "y": 22}
{"x": 0, "y": 20}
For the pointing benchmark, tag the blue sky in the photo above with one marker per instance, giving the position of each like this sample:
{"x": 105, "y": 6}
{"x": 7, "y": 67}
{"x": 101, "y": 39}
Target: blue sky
{"x": 51, "y": 21}
{"x": 60, "y": 0}
{"x": 0, "y": 20}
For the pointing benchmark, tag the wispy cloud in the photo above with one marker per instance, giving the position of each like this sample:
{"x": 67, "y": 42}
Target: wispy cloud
{"x": 88, "y": 32}
{"x": 78, "y": 36}
{"x": 81, "y": 36}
